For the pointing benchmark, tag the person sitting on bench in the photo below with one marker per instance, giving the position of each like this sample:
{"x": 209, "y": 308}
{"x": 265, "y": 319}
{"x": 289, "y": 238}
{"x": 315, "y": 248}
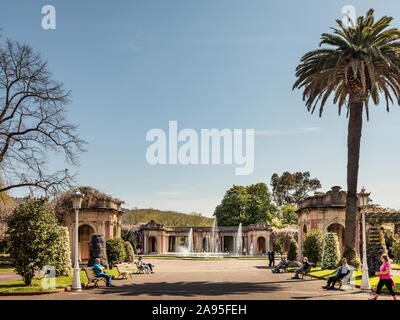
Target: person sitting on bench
{"x": 304, "y": 268}
{"x": 147, "y": 266}
{"x": 340, "y": 274}
{"x": 281, "y": 265}
{"x": 99, "y": 270}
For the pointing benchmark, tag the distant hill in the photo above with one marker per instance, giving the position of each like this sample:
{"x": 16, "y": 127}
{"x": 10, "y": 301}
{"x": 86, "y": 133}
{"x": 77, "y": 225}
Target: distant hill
{"x": 167, "y": 218}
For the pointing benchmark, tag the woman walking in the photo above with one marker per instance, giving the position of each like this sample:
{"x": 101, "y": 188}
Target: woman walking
{"x": 385, "y": 278}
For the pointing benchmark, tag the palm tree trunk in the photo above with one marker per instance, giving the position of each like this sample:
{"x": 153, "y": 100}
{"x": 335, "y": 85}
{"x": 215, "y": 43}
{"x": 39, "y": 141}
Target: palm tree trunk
{"x": 353, "y": 158}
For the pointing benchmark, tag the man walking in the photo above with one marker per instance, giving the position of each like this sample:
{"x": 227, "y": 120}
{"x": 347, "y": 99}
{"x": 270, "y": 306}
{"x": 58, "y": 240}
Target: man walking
{"x": 271, "y": 257}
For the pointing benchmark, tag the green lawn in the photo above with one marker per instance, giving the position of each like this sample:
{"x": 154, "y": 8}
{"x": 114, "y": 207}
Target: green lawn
{"x": 396, "y": 266}
{"x": 61, "y": 282}
{"x": 358, "y": 275}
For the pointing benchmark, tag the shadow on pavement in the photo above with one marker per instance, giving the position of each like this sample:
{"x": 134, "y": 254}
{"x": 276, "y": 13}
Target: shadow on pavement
{"x": 191, "y": 289}
{"x": 330, "y": 295}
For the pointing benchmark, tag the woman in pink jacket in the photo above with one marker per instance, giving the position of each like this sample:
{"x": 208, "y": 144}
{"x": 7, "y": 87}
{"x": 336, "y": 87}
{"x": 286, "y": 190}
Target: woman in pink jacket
{"x": 385, "y": 278}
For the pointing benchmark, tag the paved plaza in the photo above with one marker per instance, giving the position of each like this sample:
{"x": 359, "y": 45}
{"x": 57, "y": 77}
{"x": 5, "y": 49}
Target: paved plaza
{"x": 211, "y": 279}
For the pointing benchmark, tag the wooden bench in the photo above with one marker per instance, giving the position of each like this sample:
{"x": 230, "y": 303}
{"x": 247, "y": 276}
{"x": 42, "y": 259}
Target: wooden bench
{"x": 306, "y": 273}
{"x": 92, "y": 278}
{"x": 345, "y": 280}
{"x": 123, "y": 271}
{"x": 283, "y": 269}
{"x": 140, "y": 268}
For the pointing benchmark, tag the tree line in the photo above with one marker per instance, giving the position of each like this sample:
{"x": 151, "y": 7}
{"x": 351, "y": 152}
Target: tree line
{"x": 254, "y": 203}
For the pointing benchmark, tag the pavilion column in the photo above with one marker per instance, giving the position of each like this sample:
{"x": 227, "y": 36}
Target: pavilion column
{"x": 145, "y": 243}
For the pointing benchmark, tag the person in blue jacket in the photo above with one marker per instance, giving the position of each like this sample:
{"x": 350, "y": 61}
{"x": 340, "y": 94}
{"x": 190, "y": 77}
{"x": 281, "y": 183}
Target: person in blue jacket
{"x": 99, "y": 270}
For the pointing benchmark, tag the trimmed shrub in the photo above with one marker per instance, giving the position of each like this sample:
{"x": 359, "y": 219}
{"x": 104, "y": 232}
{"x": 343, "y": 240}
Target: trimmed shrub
{"x": 129, "y": 254}
{"x": 331, "y": 255}
{"x": 375, "y": 248}
{"x": 352, "y": 258}
{"x": 293, "y": 252}
{"x": 115, "y": 251}
{"x": 33, "y": 235}
{"x": 313, "y": 246}
{"x": 62, "y": 259}
{"x": 129, "y": 235}
{"x": 97, "y": 249}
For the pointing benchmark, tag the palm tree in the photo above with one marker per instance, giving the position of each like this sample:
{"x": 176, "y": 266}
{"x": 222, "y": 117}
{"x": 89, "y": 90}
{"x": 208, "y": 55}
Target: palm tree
{"x": 360, "y": 63}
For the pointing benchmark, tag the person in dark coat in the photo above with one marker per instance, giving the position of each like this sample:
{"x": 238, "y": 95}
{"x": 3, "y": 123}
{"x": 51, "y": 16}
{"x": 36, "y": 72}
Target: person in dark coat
{"x": 271, "y": 257}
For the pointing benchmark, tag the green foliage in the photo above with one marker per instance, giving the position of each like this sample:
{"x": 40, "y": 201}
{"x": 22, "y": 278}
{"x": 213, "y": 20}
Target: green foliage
{"x": 293, "y": 252}
{"x": 375, "y": 248}
{"x": 352, "y": 258}
{"x": 396, "y": 249}
{"x": 97, "y": 249}
{"x": 352, "y": 64}
{"x": 62, "y": 259}
{"x": 288, "y": 214}
{"x": 281, "y": 237}
{"x": 34, "y": 237}
{"x": 291, "y": 188}
{"x": 331, "y": 254}
{"x": 246, "y": 205}
{"x": 389, "y": 239}
{"x": 168, "y": 218}
{"x": 115, "y": 251}
{"x": 130, "y": 236}
{"x": 129, "y": 254}
{"x": 313, "y": 246}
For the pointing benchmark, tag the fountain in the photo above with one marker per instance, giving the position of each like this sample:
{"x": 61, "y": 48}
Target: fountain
{"x": 210, "y": 250}
{"x": 251, "y": 249}
{"x": 214, "y": 248}
{"x": 190, "y": 241}
{"x": 239, "y": 241}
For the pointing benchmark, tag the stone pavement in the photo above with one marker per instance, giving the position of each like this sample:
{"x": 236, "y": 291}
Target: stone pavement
{"x": 211, "y": 279}
{"x": 9, "y": 276}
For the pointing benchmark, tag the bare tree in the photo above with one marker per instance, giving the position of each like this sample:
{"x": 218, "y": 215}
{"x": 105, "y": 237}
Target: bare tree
{"x": 33, "y": 123}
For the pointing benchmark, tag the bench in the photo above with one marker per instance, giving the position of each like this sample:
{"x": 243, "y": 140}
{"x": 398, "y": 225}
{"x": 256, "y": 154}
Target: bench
{"x": 346, "y": 279}
{"x": 123, "y": 271}
{"x": 141, "y": 268}
{"x": 306, "y": 273}
{"x": 92, "y": 278}
{"x": 283, "y": 269}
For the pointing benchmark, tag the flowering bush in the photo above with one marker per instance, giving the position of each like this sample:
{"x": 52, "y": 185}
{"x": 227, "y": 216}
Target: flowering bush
{"x": 62, "y": 258}
{"x": 34, "y": 237}
{"x": 396, "y": 249}
{"x": 375, "y": 248}
{"x": 97, "y": 249}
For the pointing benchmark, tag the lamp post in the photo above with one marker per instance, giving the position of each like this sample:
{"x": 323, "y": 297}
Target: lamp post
{"x": 364, "y": 199}
{"x": 76, "y": 204}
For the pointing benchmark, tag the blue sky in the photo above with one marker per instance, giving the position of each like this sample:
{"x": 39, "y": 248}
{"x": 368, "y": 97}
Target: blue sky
{"x": 135, "y": 65}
